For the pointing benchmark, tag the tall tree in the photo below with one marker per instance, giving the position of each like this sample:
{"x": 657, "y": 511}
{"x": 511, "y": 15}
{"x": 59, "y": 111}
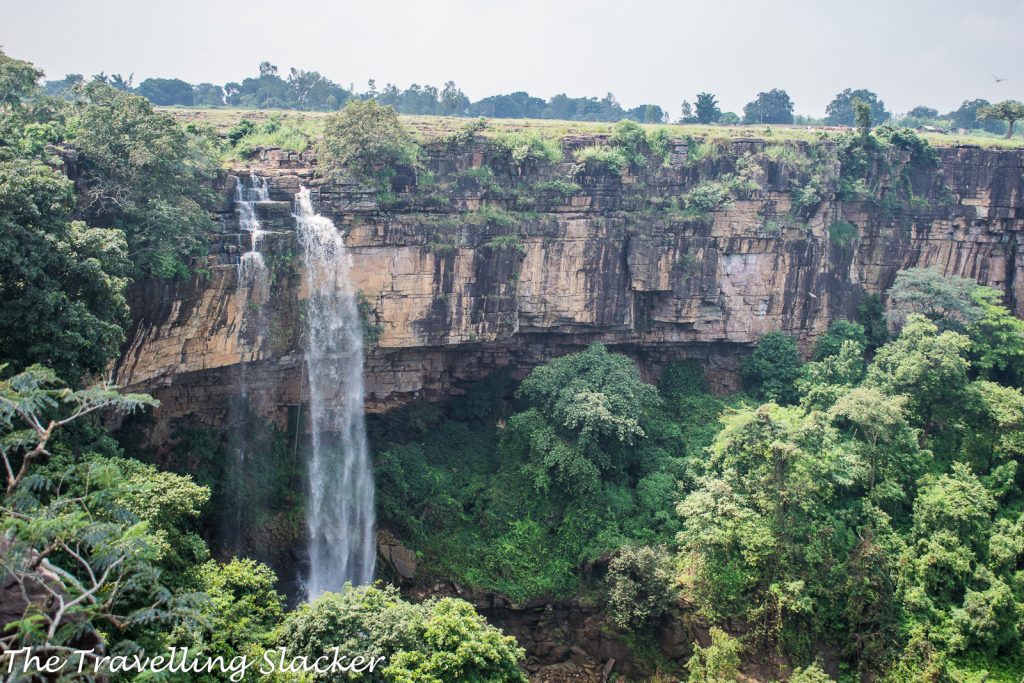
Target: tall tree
{"x": 923, "y": 113}
{"x": 18, "y": 79}
{"x": 840, "y": 111}
{"x": 707, "y": 110}
{"x": 453, "y": 101}
{"x": 64, "y": 87}
{"x": 208, "y": 95}
{"x": 966, "y": 117}
{"x": 166, "y": 92}
{"x": 773, "y": 367}
{"x": 146, "y": 175}
{"x": 61, "y": 283}
{"x": 1009, "y": 111}
{"x": 773, "y": 106}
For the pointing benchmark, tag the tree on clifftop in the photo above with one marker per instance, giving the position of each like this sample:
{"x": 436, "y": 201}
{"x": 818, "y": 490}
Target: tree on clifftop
{"x": 365, "y": 139}
{"x": 1010, "y": 111}
{"x": 166, "y": 92}
{"x": 840, "y": 111}
{"x": 966, "y": 116}
{"x": 773, "y": 106}
{"x": 61, "y": 282}
{"x": 707, "y": 108}
{"x": 145, "y": 175}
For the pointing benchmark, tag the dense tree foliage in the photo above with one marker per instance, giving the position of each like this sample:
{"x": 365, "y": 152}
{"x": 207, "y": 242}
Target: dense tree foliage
{"x": 1008, "y": 111}
{"x": 878, "y": 509}
{"x": 17, "y": 80}
{"x": 367, "y": 140}
{"x": 872, "y": 519}
{"x": 839, "y": 332}
{"x": 437, "y": 640}
{"x": 166, "y": 91}
{"x": 967, "y": 116}
{"x": 306, "y": 90}
{"x": 840, "y": 111}
{"x": 641, "y": 587}
{"x": 62, "y": 285}
{"x": 773, "y": 367}
{"x": 706, "y": 108}
{"x": 718, "y": 662}
{"x": 922, "y": 112}
{"x": 87, "y": 534}
{"x": 144, "y": 174}
{"x": 773, "y": 106}
{"x": 140, "y": 181}
{"x": 587, "y": 458}
{"x": 927, "y": 292}
{"x": 61, "y": 282}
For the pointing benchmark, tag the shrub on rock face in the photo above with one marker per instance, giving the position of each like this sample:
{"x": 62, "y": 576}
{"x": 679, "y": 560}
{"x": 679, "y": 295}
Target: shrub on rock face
{"x": 365, "y": 139}
{"x": 641, "y": 586}
{"x": 719, "y": 662}
{"x": 810, "y": 674}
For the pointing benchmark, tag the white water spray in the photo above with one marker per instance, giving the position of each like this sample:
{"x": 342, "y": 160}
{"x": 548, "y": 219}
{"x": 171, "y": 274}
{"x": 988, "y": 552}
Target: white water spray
{"x": 340, "y": 505}
{"x": 251, "y": 267}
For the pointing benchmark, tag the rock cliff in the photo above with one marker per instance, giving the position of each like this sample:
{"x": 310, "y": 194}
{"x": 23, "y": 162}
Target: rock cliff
{"x": 465, "y": 271}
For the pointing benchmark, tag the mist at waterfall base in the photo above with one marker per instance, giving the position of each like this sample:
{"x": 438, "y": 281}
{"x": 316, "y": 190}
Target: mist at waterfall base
{"x": 340, "y": 513}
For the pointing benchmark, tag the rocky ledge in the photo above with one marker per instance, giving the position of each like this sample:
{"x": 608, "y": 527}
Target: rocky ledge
{"x": 465, "y": 271}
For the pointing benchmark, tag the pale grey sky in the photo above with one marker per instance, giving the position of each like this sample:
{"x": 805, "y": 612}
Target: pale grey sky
{"x": 931, "y": 52}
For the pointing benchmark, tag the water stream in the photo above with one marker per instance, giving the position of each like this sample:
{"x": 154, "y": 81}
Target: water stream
{"x": 254, "y": 284}
{"x": 340, "y": 513}
{"x": 252, "y": 270}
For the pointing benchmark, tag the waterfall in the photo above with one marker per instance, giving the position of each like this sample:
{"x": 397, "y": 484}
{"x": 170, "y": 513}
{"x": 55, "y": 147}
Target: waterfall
{"x": 251, "y": 267}
{"x": 254, "y": 281}
{"x": 340, "y": 503}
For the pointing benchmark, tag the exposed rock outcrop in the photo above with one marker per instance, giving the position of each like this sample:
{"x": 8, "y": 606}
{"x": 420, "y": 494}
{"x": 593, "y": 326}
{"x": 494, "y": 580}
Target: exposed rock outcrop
{"x": 455, "y": 293}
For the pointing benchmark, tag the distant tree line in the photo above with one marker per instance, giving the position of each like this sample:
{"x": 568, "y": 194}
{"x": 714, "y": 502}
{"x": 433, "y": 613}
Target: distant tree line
{"x": 311, "y": 91}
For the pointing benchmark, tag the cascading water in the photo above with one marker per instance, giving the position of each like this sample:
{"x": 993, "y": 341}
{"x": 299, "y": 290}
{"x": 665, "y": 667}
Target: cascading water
{"x": 340, "y": 505}
{"x": 251, "y": 267}
{"x": 254, "y": 281}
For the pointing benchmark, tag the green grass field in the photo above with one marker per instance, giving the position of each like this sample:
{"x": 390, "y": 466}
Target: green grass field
{"x": 427, "y": 127}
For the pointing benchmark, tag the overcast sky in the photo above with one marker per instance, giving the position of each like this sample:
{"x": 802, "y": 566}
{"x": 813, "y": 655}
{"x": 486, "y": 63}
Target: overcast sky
{"x": 910, "y": 52}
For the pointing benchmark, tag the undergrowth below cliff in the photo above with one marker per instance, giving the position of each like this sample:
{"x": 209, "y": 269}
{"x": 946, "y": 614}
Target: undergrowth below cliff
{"x": 495, "y": 492}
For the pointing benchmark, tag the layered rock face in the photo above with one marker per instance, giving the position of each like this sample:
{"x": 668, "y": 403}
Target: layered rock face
{"x": 466, "y": 272}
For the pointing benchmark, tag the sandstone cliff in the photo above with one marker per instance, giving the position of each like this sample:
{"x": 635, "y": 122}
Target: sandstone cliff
{"x": 455, "y": 292}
